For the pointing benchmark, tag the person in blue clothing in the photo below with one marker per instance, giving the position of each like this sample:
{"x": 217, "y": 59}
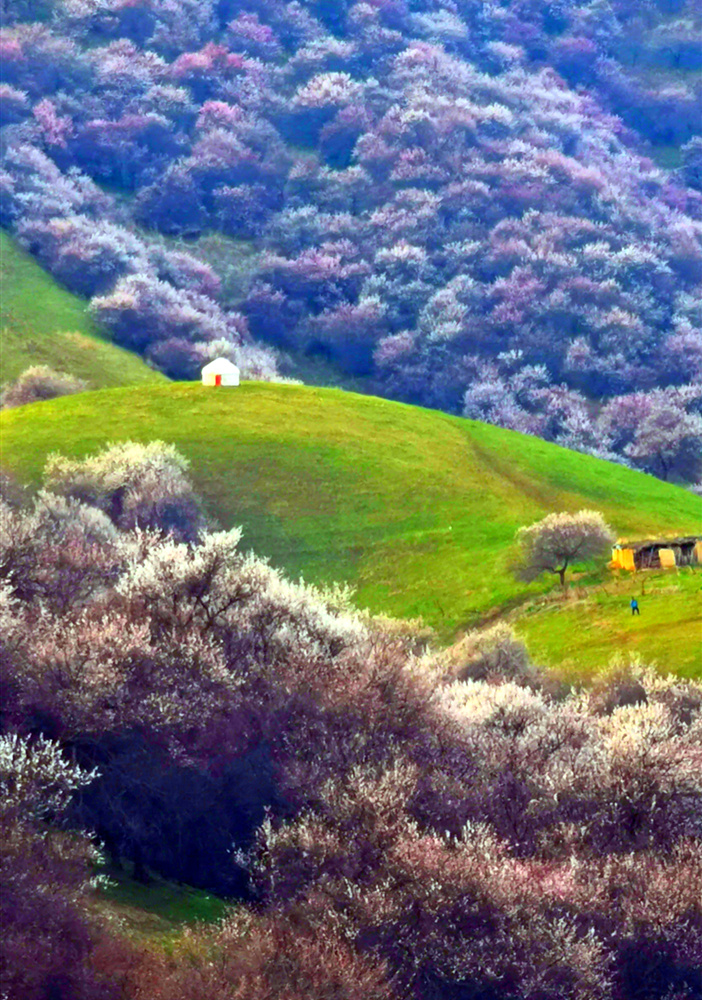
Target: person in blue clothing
{"x": 635, "y": 606}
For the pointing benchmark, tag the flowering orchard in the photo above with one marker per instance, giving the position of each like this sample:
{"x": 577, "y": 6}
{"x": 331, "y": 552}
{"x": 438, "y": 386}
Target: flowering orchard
{"x": 454, "y": 204}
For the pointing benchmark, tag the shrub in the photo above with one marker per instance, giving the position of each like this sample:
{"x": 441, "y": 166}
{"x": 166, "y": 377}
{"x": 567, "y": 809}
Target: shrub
{"x": 136, "y": 485}
{"x": 264, "y": 957}
{"x": 141, "y": 309}
{"x": 37, "y": 383}
{"x": 178, "y": 358}
{"x": 85, "y": 255}
{"x": 173, "y": 205}
{"x": 491, "y": 654}
{"x": 14, "y": 104}
{"x": 58, "y": 551}
{"x": 48, "y": 942}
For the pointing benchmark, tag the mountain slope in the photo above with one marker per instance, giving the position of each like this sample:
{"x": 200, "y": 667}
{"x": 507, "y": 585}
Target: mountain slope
{"x": 415, "y": 508}
{"x": 434, "y": 200}
{"x": 42, "y": 323}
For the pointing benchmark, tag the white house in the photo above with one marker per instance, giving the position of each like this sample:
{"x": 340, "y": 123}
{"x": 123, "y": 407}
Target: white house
{"x": 220, "y": 372}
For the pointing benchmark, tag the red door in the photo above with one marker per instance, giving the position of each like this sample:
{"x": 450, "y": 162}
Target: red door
{"x": 218, "y": 379}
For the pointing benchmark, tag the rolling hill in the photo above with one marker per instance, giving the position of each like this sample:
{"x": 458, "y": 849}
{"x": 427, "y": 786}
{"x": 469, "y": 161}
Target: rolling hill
{"x": 415, "y": 508}
{"x": 43, "y": 324}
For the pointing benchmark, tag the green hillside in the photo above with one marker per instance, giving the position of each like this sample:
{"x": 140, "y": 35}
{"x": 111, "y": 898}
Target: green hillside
{"x": 43, "y": 324}
{"x": 580, "y": 635}
{"x": 415, "y": 508}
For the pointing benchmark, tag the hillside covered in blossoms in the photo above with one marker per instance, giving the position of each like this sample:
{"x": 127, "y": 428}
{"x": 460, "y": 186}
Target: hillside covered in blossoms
{"x": 491, "y": 208}
{"x": 359, "y": 813}
{"x": 384, "y": 681}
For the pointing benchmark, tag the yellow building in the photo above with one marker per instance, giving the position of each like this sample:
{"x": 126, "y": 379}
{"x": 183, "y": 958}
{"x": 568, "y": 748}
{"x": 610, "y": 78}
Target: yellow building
{"x": 666, "y": 558}
{"x": 661, "y": 553}
{"x": 623, "y": 558}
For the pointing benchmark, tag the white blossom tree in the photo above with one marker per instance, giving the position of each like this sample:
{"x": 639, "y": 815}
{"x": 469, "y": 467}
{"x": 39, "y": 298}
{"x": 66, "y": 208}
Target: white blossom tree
{"x": 668, "y": 440}
{"x": 560, "y": 540}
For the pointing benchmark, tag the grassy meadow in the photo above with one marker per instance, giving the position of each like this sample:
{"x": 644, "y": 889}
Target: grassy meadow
{"x": 158, "y": 911}
{"x": 42, "y": 323}
{"x": 577, "y": 636}
{"x": 414, "y": 508}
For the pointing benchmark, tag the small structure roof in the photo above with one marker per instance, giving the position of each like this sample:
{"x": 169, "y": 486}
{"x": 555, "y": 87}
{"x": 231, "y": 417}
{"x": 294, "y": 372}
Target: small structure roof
{"x": 657, "y": 542}
{"x": 220, "y": 366}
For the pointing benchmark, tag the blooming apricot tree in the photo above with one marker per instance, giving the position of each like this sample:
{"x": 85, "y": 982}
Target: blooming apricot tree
{"x": 559, "y": 540}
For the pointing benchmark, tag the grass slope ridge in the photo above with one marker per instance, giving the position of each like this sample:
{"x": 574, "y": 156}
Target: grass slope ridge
{"x": 42, "y": 323}
{"x": 415, "y": 508}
